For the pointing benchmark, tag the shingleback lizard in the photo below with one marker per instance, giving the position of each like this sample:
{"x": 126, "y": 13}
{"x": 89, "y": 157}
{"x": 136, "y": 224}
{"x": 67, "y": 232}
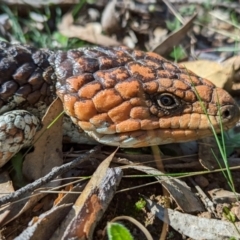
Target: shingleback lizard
{"x": 118, "y": 96}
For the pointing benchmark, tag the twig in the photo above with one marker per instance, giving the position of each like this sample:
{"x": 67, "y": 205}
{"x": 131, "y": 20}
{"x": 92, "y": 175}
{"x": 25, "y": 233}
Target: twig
{"x": 48, "y": 177}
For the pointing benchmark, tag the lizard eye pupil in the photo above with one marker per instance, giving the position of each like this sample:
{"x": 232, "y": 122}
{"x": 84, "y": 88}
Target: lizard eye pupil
{"x": 167, "y": 100}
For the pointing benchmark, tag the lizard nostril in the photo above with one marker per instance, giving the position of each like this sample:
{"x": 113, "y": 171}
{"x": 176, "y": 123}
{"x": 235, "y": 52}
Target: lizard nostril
{"x": 226, "y": 113}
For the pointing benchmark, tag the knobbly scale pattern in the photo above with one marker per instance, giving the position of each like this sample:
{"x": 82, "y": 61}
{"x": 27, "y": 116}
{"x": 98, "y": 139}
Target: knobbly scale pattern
{"x": 118, "y": 96}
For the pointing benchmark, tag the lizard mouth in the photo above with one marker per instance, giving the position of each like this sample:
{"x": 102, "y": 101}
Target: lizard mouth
{"x": 229, "y": 116}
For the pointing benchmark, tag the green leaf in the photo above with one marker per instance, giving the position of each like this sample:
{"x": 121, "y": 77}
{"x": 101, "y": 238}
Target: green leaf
{"x": 117, "y": 231}
{"x": 229, "y": 215}
{"x": 173, "y": 25}
{"x": 178, "y": 53}
{"x": 139, "y": 205}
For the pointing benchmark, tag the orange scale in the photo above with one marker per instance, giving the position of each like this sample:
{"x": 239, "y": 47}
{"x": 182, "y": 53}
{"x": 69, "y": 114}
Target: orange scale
{"x": 106, "y": 100}
{"x": 120, "y": 53}
{"x": 84, "y": 110}
{"x": 120, "y": 73}
{"x": 207, "y": 82}
{"x": 138, "y": 102}
{"x": 221, "y": 97}
{"x": 140, "y": 113}
{"x": 123, "y": 60}
{"x": 170, "y": 89}
{"x": 165, "y": 82}
{"x": 120, "y": 113}
{"x": 205, "y": 93}
{"x": 68, "y": 103}
{"x": 149, "y": 124}
{"x": 76, "y": 82}
{"x": 89, "y": 91}
{"x": 128, "y": 126}
{"x": 165, "y": 123}
{"x": 180, "y": 85}
{"x": 175, "y": 122}
{"x": 184, "y": 121}
{"x": 163, "y": 74}
{"x": 170, "y": 66}
{"x": 146, "y": 73}
{"x": 204, "y": 122}
{"x": 212, "y": 109}
{"x": 190, "y": 96}
{"x": 197, "y": 107}
{"x": 105, "y": 77}
{"x": 129, "y": 89}
{"x": 179, "y": 93}
{"x": 105, "y": 62}
{"x": 194, "y": 121}
{"x": 138, "y": 54}
{"x": 150, "y": 63}
{"x": 190, "y": 79}
{"x": 151, "y": 87}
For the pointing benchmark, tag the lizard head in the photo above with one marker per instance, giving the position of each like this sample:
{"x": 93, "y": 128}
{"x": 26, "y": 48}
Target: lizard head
{"x": 130, "y": 98}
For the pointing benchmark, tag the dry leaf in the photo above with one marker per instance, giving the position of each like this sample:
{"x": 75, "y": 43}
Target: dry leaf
{"x": 90, "y": 34}
{"x": 192, "y": 226}
{"x": 110, "y": 21}
{"x": 5, "y": 184}
{"x": 10, "y": 212}
{"x": 174, "y": 38}
{"x": 47, "y": 148}
{"x": 223, "y": 196}
{"x": 44, "y": 226}
{"x": 40, "y": 162}
{"x": 213, "y": 71}
{"x": 90, "y": 206}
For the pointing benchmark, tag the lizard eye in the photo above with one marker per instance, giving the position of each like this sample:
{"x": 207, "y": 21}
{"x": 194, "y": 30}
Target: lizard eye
{"x": 167, "y": 100}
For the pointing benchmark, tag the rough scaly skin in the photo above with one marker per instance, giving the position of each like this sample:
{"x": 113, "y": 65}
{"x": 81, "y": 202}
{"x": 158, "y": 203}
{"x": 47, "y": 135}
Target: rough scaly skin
{"x": 119, "y": 96}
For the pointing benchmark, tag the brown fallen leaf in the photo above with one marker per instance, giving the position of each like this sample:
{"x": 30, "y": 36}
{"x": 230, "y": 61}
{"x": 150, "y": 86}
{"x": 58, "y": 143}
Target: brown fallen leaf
{"x": 92, "y": 203}
{"x": 47, "y": 148}
{"x": 223, "y": 196}
{"x": 47, "y": 154}
{"x": 5, "y": 184}
{"x": 25, "y": 197}
{"x": 174, "y": 38}
{"x": 43, "y": 227}
{"x": 219, "y": 74}
{"x": 234, "y": 64}
{"x": 195, "y": 227}
{"x": 110, "y": 19}
{"x": 91, "y": 33}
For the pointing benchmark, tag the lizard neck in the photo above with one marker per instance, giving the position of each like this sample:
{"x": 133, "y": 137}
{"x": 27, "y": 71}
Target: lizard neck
{"x": 27, "y": 78}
